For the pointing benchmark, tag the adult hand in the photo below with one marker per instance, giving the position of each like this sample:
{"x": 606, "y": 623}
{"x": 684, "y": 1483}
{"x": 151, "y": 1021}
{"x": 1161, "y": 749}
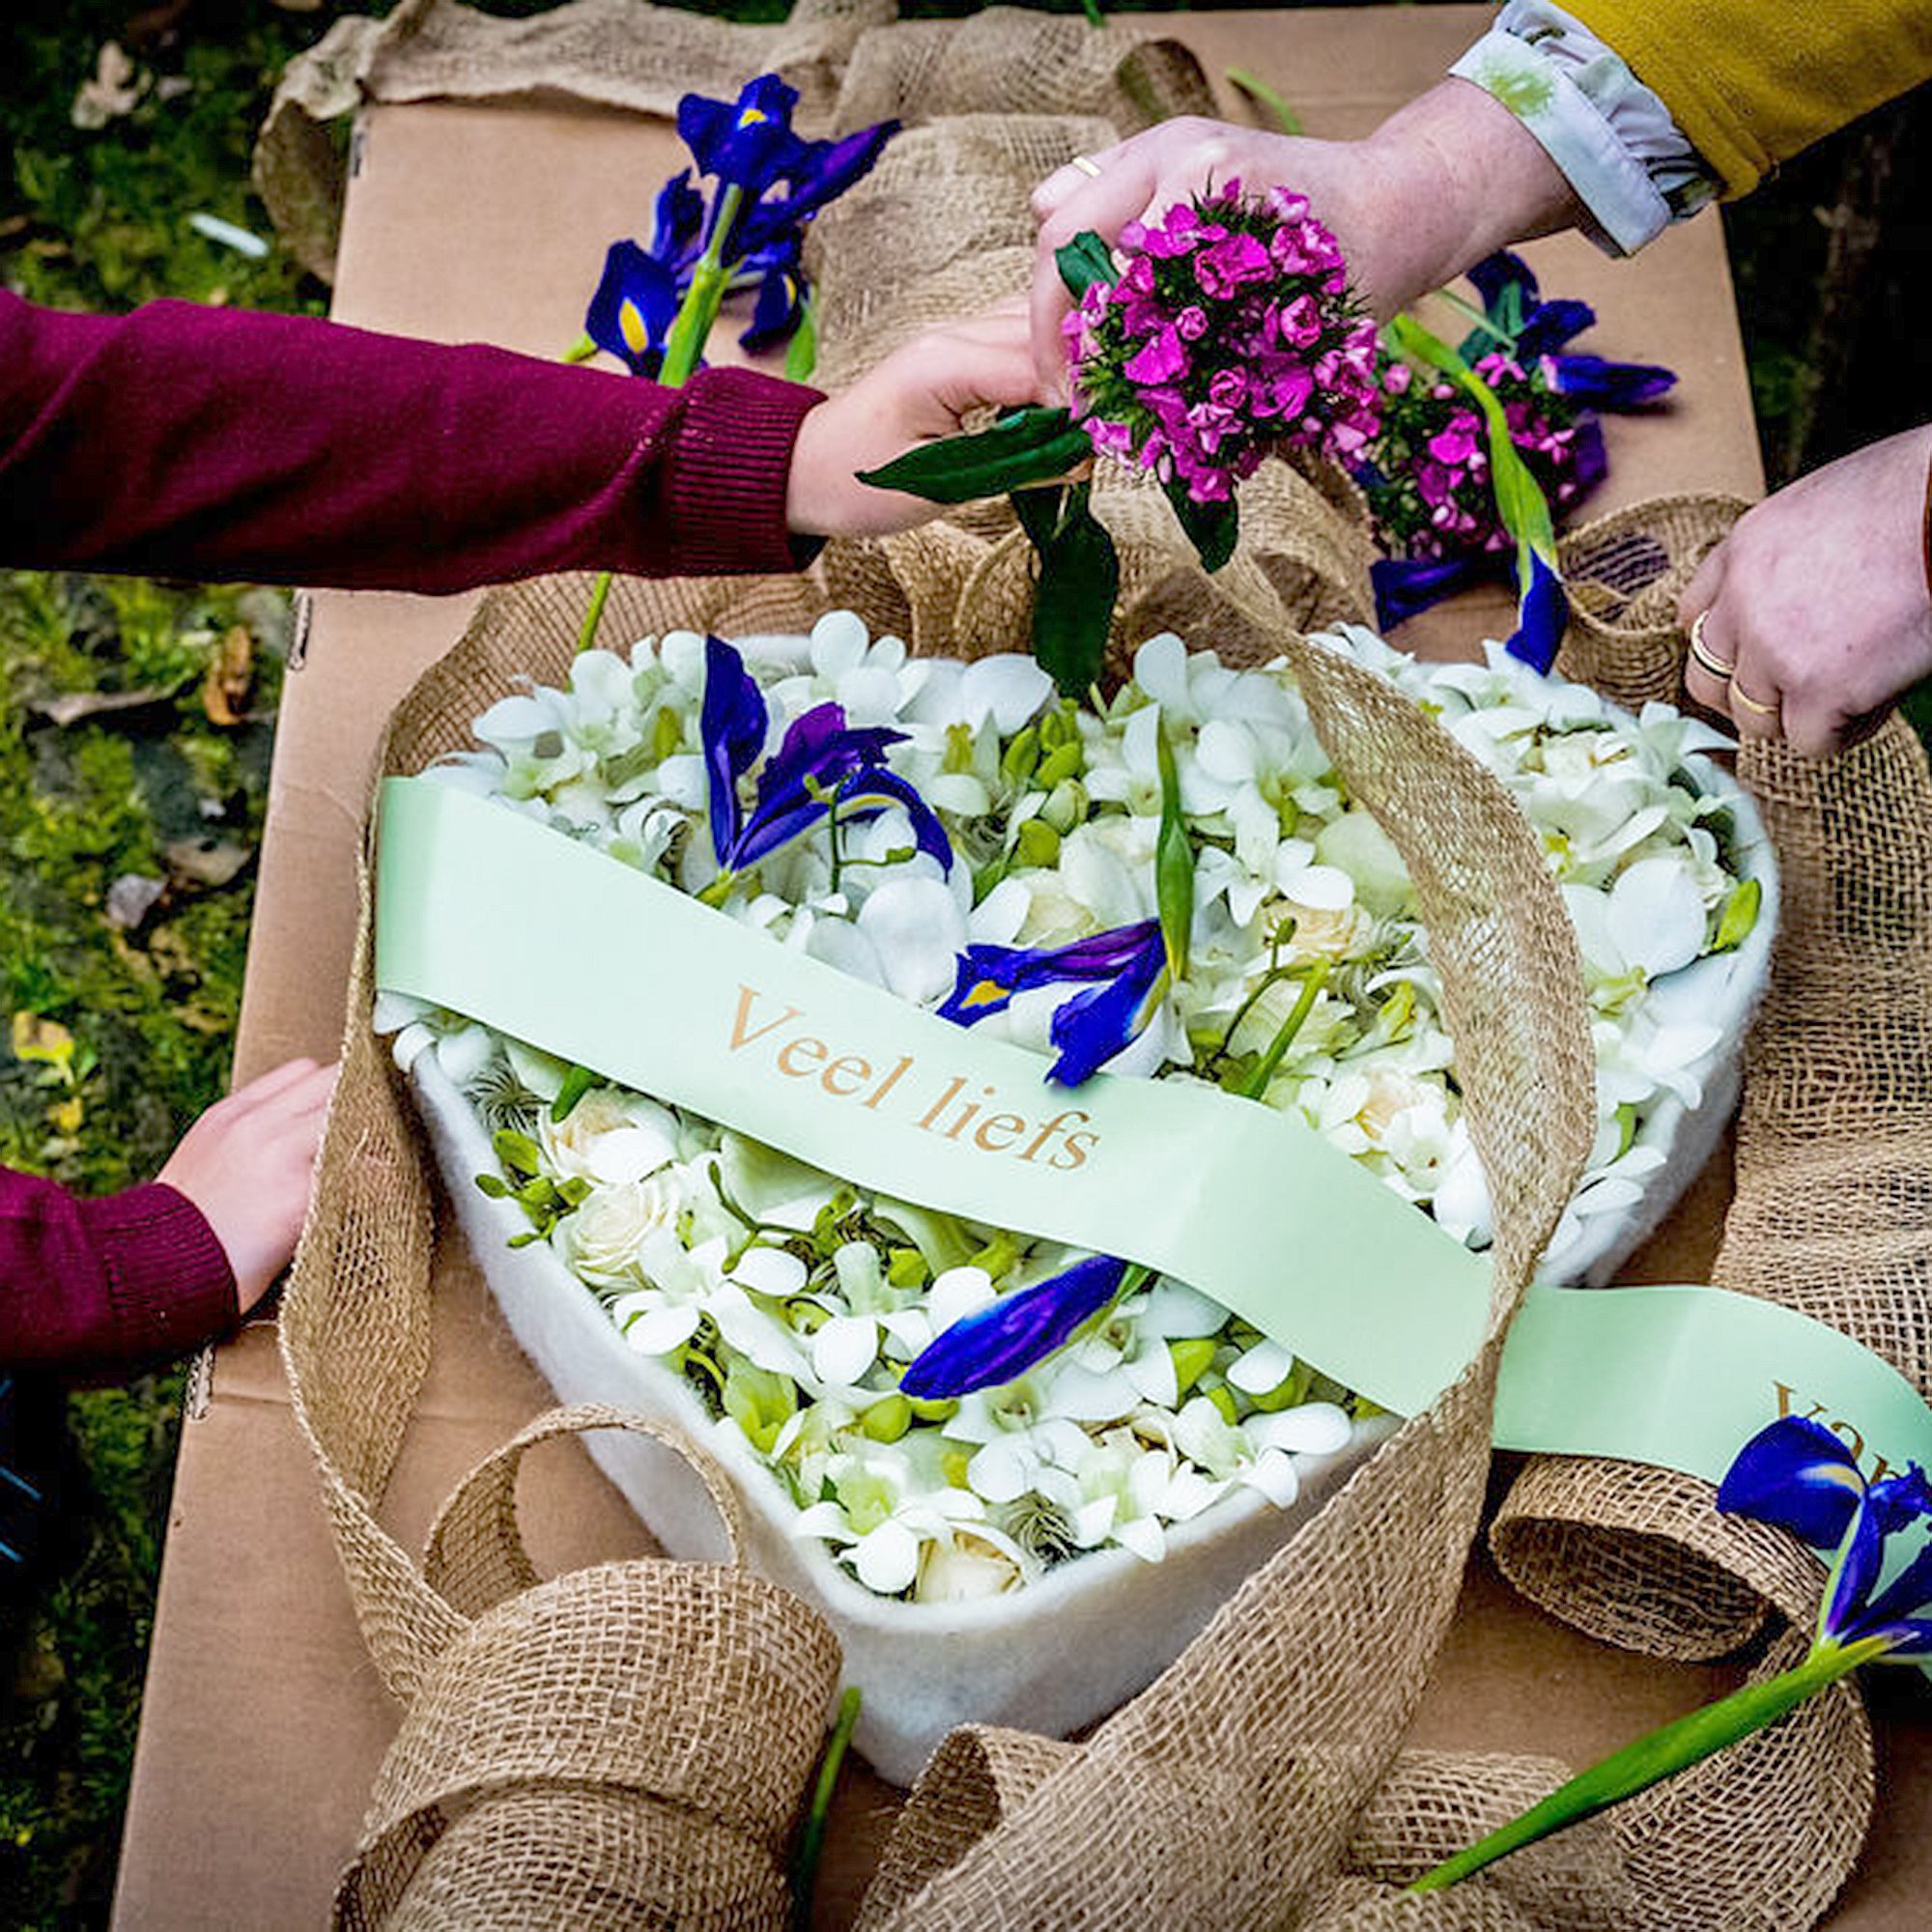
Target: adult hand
{"x": 1817, "y": 601}
{"x": 923, "y": 390}
{"x": 1440, "y": 185}
{"x": 248, "y": 1162}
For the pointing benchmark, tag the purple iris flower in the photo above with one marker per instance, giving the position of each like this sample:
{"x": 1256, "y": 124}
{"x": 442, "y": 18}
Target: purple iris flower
{"x": 1538, "y": 330}
{"x": 1798, "y": 1474}
{"x": 631, "y": 312}
{"x": 1542, "y": 611}
{"x": 747, "y": 145}
{"x": 821, "y": 766}
{"x": 1006, "y": 1337}
{"x": 1120, "y": 968}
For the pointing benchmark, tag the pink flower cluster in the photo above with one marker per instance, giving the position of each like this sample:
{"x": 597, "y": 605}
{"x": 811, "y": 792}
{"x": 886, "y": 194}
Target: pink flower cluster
{"x": 1229, "y": 335}
{"x": 1427, "y": 476}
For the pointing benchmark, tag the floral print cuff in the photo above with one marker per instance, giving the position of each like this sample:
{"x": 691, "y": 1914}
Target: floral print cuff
{"x": 1612, "y": 137}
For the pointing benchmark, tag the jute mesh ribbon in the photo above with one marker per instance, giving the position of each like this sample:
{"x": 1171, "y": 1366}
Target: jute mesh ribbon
{"x": 553, "y": 1768}
{"x": 852, "y": 62}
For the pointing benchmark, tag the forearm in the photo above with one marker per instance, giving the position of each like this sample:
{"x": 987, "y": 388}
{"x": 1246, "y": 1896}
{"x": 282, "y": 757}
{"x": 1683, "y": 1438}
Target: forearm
{"x": 1483, "y": 178}
{"x": 196, "y": 442}
{"x": 99, "y": 1287}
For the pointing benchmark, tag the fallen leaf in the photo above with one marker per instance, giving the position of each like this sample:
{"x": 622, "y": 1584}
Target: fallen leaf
{"x": 131, "y": 899}
{"x": 207, "y": 862}
{"x": 231, "y": 676}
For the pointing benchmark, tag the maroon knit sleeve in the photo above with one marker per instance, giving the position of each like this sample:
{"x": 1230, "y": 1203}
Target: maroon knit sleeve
{"x": 100, "y": 1286}
{"x": 223, "y": 445}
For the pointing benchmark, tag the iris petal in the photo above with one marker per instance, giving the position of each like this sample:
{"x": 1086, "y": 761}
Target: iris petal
{"x": 988, "y": 977}
{"x": 747, "y": 143}
{"x": 678, "y": 226}
{"x": 1405, "y": 585}
{"x": 1006, "y": 1337}
{"x": 1094, "y": 1025}
{"x": 1543, "y": 610}
{"x": 1797, "y": 1474}
{"x": 732, "y": 723}
{"x": 1595, "y": 383}
{"x": 633, "y": 308}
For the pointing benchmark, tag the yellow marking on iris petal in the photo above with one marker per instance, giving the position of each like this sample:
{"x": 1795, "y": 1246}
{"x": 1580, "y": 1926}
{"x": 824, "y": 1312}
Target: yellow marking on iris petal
{"x": 752, "y": 116}
{"x": 632, "y": 326}
{"x": 984, "y": 994}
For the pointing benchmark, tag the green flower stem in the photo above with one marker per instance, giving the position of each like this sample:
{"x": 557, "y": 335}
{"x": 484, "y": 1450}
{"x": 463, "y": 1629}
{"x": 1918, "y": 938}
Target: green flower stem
{"x": 593, "y": 614}
{"x": 811, "y": 1834}
{"x": 688, "y": 333}
{"x": 1520, "y": 503}
{"x": 1256, "y": 1085}
{"x": 1172, "y": 864}
{"x": 1660, "y": 1754}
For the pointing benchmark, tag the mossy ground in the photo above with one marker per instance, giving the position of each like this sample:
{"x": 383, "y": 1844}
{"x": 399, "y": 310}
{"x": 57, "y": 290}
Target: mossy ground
{"x": 127, "y": 833}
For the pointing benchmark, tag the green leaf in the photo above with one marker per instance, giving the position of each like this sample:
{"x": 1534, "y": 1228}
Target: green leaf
{"x": 1084, "y": 261}
{"x": 801, "y": 351}
{"x": 1739, "y": 916}
{"x": 1073, "y": 604}
{"x": 576, "y": 1083}
{"x": 1213, "y": 528}
{"x": 1172, "y": 863}
{"x": 1038, "y": 511}
{"x": 1031, "y": 445}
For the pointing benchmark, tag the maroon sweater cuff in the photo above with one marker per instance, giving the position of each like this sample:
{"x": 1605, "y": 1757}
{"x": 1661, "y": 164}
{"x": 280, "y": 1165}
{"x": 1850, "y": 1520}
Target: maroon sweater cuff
{"x": 96, "y": 1288}
{"x": 722, "y": 499}
{"x": 169, "y": 1285}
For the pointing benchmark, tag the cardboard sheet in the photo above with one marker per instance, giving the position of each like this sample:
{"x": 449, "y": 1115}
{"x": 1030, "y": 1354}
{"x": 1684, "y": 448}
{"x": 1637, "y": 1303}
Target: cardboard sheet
{"x": 264, "y": 1721}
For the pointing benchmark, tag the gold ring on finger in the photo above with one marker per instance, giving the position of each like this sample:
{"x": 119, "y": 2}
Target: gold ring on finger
{"x": 1087, "y": 165}
{"x": 1756, "y": 705}
{"x": 1702, "y": 654}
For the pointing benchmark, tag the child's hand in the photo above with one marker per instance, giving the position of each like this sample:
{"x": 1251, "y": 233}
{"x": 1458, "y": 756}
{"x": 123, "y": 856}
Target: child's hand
{"x": 248, "y": 1164}
{"x": 921, "y": 391}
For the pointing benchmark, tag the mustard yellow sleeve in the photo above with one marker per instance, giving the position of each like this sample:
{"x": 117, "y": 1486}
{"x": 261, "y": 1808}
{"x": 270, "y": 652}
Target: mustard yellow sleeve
{"x": 1752, "y": 82}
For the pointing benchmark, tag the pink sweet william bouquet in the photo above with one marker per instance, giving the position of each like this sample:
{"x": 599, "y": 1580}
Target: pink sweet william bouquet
{"x": 1230, "y": 336}
{"x": 1198, "y": 348}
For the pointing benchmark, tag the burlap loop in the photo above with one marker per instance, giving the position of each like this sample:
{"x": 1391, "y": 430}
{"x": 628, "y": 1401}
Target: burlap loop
{"x": 475, "y": 1556}
{"x": 625, "y": 1746}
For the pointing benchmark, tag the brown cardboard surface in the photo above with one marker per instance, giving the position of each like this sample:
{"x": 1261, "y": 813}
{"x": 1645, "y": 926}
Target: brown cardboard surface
{"x": 264, "y": 1720}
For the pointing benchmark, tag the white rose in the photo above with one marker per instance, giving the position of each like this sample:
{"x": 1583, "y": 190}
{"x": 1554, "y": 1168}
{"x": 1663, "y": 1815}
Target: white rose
{"x": 605, "y": 1239}
{"x": 964, "y": 1567}
{"x": 610, "y": 1138}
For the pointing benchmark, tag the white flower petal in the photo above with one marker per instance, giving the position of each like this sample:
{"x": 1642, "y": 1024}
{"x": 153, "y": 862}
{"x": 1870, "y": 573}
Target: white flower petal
{"x": 774, "y": 1271}
{"x": 1657, "y": 915}
{"x": 843, "y": 1348}
{"x": 659, "y": 1330}
{"x": 916, "y": 929}
{"x": 1312, "y": 1429}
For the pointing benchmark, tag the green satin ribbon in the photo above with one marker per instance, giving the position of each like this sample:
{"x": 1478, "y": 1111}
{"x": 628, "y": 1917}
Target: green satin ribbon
{"x": 495, "y": 915}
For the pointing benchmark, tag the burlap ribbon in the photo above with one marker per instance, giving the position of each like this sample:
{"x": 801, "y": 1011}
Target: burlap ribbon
{"x": 1259, "y": 1781}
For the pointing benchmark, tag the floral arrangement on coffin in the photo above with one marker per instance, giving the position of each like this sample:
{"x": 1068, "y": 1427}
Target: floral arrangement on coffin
{"x": 1172, "y": 885}
{"x": 1427, "y": 475}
